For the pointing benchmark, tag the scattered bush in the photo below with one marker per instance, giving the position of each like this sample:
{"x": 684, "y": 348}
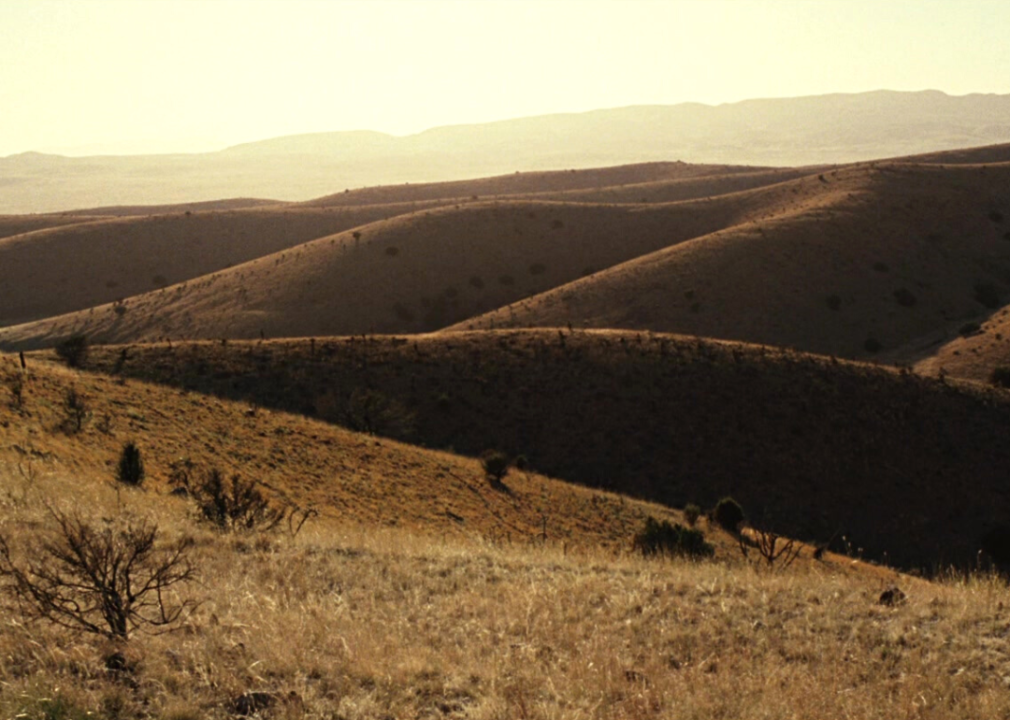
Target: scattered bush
{"x": 131, "y": 467}
{"x": 662, "y": 538}
{"x": 691, "y": 513}
{"x": 766, "y": 542}
{"x": 107, "y": 580}
{"x": 73, "y": 350}
{"x": 75, "y": 410}
{"x": 1001, "y": 376}
{"x": 231, "y": 506}
{"x": 496, "y": 466}
{"x": 987, "y": 295}
{"x": 728, "y": 514}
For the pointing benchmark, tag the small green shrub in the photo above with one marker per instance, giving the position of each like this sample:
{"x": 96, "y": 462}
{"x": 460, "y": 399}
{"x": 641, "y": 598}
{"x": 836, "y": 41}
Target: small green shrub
{"x": 662, "y": 538}
{"x": 728, "y": 514}
{"x": 496, "y": 466}
{"x": 691, "y": 513}
{"x": 131, "y": 466}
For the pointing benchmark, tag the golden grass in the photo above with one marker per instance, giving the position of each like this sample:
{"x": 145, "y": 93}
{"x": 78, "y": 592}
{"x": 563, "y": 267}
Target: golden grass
{"x": 356, "y": 623}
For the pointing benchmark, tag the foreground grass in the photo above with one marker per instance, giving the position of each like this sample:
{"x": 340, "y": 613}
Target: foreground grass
{"x": 353, "y": 624}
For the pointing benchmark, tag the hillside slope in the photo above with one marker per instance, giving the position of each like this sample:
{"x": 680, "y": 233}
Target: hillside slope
{"x": 906, "y": 468}
{"x": 411, "y": 273}
{"x": 61, "y": 269}
{"x": 352, "y": 480}
{"x": 870, "y": 258}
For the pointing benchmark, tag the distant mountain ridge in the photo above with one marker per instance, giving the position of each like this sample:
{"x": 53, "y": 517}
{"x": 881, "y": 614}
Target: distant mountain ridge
{"x": 810, "y": 130}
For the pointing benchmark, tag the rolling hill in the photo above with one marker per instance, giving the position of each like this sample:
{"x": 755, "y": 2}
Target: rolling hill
{"x": 908, "y": 469}
{"x": 870, "y": 258}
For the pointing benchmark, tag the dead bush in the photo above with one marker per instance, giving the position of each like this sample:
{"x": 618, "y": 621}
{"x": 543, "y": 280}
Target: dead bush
{"x": 109, "y": 580}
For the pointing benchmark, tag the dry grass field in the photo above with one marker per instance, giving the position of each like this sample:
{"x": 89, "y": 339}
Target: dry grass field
{"x": 383, "y": 623}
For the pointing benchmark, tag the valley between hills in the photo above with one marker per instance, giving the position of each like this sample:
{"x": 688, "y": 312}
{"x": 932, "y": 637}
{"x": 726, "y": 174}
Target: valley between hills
{"x": 829, "y": 345}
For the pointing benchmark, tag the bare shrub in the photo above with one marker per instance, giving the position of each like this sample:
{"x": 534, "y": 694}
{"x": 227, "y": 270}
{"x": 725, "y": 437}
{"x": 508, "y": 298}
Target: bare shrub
{"x": 770, "y": 546}
{"x": 106, "y": 580}
{"x": 235, "y": 504}
{"x": 75, "y": 410}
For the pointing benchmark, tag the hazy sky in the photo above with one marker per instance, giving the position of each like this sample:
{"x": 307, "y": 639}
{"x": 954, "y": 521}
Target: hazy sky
{"x": 86, "y": 76}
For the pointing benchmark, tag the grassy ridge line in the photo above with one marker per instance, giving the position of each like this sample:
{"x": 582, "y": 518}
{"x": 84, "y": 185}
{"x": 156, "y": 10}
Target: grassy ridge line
{"x": 909, "y": 469}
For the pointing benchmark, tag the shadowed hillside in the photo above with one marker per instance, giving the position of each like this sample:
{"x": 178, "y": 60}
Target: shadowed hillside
{"x": 57, "y": 270}
{"x": 909, "y": 469}
{"x": 351, "y": 479}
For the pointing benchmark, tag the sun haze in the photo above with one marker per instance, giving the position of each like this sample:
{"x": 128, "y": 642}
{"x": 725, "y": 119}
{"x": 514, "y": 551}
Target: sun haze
{"x": 111, "y": 76}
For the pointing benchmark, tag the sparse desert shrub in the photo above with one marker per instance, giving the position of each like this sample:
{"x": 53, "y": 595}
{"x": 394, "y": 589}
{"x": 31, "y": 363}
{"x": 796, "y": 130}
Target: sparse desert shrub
{"x": 969, "y": 328}
{"x": 130, "y": 470}
{"x": 662, "y": 538}
{"x": 234, "y": 505}
{"x": 75, "y": 410}
{"x": 691, "y": 513}
{"x": 728, "y": 514}
{"x": 496, "y": 466}
{"x": 770, "y": 546}
{"x": 1001, "y": 376}
{"x": 987, "y": 295}
{"x": 108, "y": 580}
{"x": 73, "y": 350}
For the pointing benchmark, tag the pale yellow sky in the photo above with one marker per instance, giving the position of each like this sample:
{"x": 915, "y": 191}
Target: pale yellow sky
{"x": 123, "y": 76}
